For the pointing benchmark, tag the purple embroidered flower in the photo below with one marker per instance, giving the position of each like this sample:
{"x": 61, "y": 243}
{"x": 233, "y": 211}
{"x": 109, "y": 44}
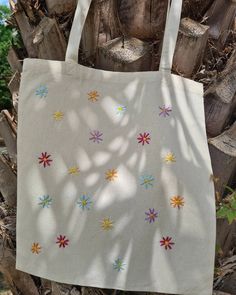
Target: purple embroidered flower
{"x": 165, "y": 111}
{"x": 151, "y": 215}
{"x": 96, "y": 136}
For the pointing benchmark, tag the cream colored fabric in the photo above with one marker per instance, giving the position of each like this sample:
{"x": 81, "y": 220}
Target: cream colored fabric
{"x": 114, "y": 186}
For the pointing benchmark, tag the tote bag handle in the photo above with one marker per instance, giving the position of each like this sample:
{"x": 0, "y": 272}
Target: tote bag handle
{"x": 169, "y": 41}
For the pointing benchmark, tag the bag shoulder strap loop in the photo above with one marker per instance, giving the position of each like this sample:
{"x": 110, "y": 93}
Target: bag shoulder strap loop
{"x": 169, "y": 41}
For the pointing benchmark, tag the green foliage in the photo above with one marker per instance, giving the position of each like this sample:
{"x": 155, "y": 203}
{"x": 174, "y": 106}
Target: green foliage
{"x": 5, "y": 71}
{"x": 227, "y": 209}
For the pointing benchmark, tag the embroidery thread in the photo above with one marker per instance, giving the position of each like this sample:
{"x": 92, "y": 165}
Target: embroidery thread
{"x": 120, "y": 110}
{"x": 58, "y": 116}
{"x": 118, "y": 264}
{"x": 144, "y": 138}
{"x": 62, "y": 241}
{"x": 45, "y": 201}
{"x": 73, "y": 170}
{"x": 165, "y": 111}
{"x": 84, "y": 202}
{"x": 36, "y": 248}
{"x": 42, "y": 91}
{"x": 107, "y": 224}
{"x": 167, "y": 243}
{"x": 96, "y": 136}
{"x": 93, "y": 96}
{"x": 152, "y": 215}
{"x": 146, "y": 181}
{"x": 177, "y": 202}
{"x": 111, "y": 174}
{"x": 170, "y": 158}
{"x": 45, "y": 159}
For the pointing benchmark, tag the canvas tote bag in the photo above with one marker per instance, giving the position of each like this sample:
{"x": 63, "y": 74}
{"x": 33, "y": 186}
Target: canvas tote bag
{"x": 114, "y": 186}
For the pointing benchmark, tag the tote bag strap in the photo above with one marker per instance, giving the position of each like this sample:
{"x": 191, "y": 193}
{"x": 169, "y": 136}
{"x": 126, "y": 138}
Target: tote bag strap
{"x": 170, "y": 36}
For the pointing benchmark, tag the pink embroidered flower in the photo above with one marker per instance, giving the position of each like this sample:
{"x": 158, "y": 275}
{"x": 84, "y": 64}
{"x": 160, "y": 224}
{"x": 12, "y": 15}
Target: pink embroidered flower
{"x": 45, "y": 159}
{"x": 144, "y": 138}
{"x": 62, "y": 241}
{"x": 167, "y": 243}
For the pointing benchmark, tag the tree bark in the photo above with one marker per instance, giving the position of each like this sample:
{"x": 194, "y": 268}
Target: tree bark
{"x": 121, "y": 35}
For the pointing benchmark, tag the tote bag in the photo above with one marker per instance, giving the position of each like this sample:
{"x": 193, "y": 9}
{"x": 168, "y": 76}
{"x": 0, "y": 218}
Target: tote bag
{"x": 114, "y": 171}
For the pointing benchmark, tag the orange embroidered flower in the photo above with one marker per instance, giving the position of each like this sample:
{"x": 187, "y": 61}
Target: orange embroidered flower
{"x": 177, "y": 201}
{"x": 93, "y": 96}
{"x": 111, "y": 174}
{"x": 36, "y": 248}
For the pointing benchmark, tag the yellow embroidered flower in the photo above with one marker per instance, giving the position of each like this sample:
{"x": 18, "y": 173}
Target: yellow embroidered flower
{"x": 111, "y": 174}
{"x": 177, "y": 201}
{"x": 93, "y": 96}
{"x": 73, "y": 170}
{"x": 170, "y": 158}
{"x": 107, "y": 224}
{"x": 58, "y": 116}
{"x": 36, "y": 248}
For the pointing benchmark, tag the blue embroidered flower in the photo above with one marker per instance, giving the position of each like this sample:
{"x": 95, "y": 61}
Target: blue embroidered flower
{"x": 118, "y": 264}
{"x": 146, "y": 181}
{"x": 42, "y": 91}
{"x": 45, "y": 201}
{"x": 120, "y": 110}
{"x": 85, "y": 202}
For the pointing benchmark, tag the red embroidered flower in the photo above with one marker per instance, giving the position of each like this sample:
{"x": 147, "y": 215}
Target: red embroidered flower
{"x": 62, "y": 241}
{"x": 144, "y": 138}
{"x": 45, "y": 159}
{"x": 167, "y": 243}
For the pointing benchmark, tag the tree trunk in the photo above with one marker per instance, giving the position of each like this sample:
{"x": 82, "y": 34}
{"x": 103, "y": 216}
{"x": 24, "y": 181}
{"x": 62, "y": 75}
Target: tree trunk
{"x": 123, "y": 35}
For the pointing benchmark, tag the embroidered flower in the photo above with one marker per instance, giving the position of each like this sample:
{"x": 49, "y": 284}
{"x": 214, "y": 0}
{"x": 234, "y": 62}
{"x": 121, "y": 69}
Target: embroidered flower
{"x": 165, "y": 111}
{"x": 45, "y": 159}
{"x": 177, "y": 201}
{"x": 167, "y": 243}
{"x": 62, "y": 241}
{"x": 144, "y": 138}
{"x": 42, "y": 91}
{"x": 170, "y": 158}
{"x": 111, "y": 174}
{"x": 151, "y": 215}
{"x": 93, "y": 96}
{"x": 58, "y": 116}
{"x": 107, "y": 224}
{"x": 96, "y": 136}
{"x": 73, "y": 170}
{"x": 45, "y": 201}
{"x": 146, "y": 181}
{"x": 84, "y": 202}
{"x": 36, "y": 248}
{"x": 120, "y": 110}
{"x": 118, "y": 264}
